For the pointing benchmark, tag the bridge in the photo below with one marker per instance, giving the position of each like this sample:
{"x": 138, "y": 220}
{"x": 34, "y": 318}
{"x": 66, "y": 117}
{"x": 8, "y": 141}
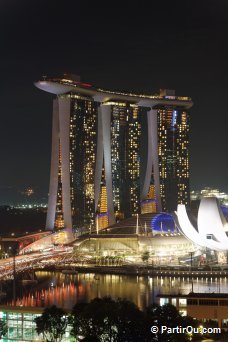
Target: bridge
{"x": 25, "y": 240}
{"x": 34, "y": 261}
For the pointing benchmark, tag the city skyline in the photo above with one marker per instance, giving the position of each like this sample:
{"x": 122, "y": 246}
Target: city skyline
{"x": 186, "y": 51}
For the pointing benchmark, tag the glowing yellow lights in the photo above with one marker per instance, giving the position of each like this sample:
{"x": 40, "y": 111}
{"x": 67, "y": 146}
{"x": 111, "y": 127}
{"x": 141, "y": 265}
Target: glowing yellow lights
{"x": 125, "y": 137}
{"x": 112, "y": 103}
{"x": 67, "y": 81}
{"x": 173, "y": 141}
{"x": 59, "y": 222}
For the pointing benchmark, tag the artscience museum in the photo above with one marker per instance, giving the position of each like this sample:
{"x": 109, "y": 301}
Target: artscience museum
{"x": 181, "y": 238}
{"x": 209, "y": 230}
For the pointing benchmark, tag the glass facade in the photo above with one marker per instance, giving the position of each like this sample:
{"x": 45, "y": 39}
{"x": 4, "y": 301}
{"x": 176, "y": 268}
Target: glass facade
{"x": 133, "y": 158}
{"x": 83, "y": 127}
{"x": 125, "y": 159}
{"x": 83, "y": 137}
{"x": 22, "y": 328}
{"x": 118, "y": 157}
{"x": 173, "y": 154}
{"x": 59, "y": 220}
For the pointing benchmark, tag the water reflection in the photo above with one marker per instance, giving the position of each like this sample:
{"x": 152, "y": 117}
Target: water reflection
{"x": 66, "y": 290}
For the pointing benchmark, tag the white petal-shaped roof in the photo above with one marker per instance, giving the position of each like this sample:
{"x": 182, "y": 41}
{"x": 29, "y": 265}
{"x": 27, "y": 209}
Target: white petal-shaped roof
{"x": 212, "y": 225}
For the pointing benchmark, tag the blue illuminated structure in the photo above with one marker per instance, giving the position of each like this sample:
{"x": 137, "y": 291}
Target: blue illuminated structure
{"x": 174, "y": 118}
{"x": 163, "y": 222}
{"x": 225, "y": 211}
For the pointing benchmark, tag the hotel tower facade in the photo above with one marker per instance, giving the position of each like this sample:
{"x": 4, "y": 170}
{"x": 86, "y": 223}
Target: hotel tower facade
{"x": 98, "y": 174}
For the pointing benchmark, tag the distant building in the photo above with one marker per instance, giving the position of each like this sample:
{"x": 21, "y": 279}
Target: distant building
{"x": 96, "y": 144}
{"x": 28, "y": 191}
{"x": 205, "y": 307}
{"x": 209, "y": 192}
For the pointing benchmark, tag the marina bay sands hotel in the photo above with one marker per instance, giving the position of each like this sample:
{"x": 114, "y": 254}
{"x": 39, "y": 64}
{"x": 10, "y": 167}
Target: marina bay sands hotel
{"x": 114, "y": 154}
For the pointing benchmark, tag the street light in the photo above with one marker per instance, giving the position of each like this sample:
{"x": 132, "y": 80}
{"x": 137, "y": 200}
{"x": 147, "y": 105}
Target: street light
{"x": 191, "y": 254}
{"x": 14, "y": 252}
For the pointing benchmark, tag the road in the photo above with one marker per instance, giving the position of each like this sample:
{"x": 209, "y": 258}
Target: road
{"x": 33, "y": 261}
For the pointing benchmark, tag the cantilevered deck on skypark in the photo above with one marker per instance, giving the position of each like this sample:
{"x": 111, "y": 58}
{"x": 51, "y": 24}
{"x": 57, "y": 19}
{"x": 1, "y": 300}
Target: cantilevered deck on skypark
{"x": 60, "y": 86}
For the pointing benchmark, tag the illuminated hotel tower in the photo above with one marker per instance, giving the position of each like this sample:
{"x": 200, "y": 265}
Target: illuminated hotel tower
{"x": 167, "y": 171}
{"x": 119, "y": 133}
{"x": 96, "y": 162}
{"x": 71, "y": 193}
{"x": 173, "y": 156}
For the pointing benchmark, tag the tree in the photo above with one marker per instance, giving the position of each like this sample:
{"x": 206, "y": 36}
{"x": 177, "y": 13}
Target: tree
{"x": 3, "y": 328}
{"x": 132, "y": 324}
{"x": 78, "y": 321}
{"x": 145, "y": 257}
{"x": 94, "y": 320}
{"x": 168, "y": 315}
{"x": 110, "y": 321}
{"x": 52, "y": 324}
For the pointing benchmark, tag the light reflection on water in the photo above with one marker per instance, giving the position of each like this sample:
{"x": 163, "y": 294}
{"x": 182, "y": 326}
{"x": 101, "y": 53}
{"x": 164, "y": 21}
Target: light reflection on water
{"x": 68, "y": 290}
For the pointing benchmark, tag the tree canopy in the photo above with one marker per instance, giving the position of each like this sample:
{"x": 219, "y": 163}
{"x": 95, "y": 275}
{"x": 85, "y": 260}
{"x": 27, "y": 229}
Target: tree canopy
{"x": 168, "y": 315}
{"x": 109, "y": 320}
{"x": 52, "y": 324}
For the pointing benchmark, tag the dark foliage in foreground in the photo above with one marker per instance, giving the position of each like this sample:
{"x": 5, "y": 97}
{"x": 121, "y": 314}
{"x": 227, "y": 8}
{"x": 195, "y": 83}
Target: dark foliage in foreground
{"x": 121, "y": 321}
{"x": 52, "y": 324}
{"x": 168, "y": 315}
{"x": 108, "y": 320}
{"x": 3, "y": 328}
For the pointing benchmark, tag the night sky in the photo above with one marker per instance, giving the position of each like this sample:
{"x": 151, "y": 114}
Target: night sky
{"x": 128, "y": 45}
